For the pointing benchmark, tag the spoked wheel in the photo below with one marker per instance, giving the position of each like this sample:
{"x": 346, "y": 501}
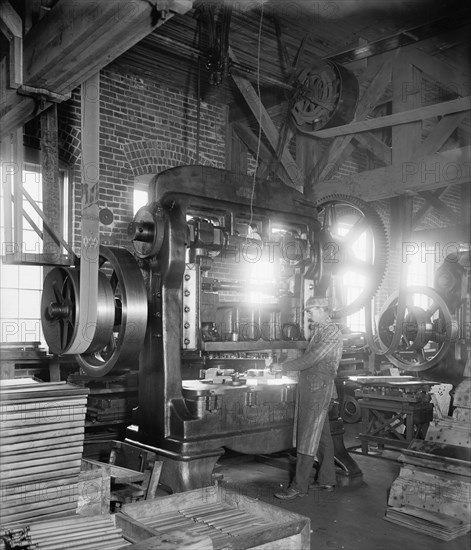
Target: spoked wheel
{"x": 426, "y": 330}
{"x": 60, "y": 312}
{"x": 117, "y": 336}
{"x": 355, "y": 250}
{"x": 129, "y": 314}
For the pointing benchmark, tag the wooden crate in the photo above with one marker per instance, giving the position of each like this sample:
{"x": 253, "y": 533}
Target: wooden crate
{"x": 94, "y": 488}
{"x": 228, "y": 518}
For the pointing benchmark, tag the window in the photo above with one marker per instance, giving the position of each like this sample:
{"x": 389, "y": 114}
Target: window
{"x": 21, "y": 285}
{"x": 141, "y": 198}
{"x": 420, "y": 272}
{"x": 353, "y": 282}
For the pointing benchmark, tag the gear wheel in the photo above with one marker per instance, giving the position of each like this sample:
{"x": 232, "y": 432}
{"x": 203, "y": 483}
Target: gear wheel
{"x": 354, "y": 245}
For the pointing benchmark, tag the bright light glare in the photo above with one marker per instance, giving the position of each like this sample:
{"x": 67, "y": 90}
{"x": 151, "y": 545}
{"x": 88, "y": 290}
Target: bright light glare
{"x": 140, "y": 198}
{"x": 260, "y": 281}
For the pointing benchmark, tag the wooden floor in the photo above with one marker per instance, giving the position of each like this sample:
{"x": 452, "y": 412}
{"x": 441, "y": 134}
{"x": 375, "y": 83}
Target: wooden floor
{"x": 350, "y": 518}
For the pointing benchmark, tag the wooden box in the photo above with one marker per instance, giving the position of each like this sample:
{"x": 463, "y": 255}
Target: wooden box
{"x": 228, "y": 518}
{"x": 93, "y": 488}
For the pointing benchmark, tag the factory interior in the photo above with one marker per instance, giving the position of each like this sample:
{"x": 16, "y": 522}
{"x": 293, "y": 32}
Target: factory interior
{"x": 227, "y": 229}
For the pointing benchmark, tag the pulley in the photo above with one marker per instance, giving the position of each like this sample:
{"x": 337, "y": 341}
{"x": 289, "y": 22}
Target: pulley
{"x": 147, "y": 230}
{"x": 122, "y": 313}
{"x": 325, "y": 97}
{"x": 426, "y": 331}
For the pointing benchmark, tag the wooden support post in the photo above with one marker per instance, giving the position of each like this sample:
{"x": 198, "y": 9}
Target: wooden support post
{"x": 8, "y": 167}
{"x": 406, "y": 81}
{"x": 18, "y": 160}
{"x": 11, "y": 21}
{"x": 50, "y": 181}
{"x": 307, "y": 155}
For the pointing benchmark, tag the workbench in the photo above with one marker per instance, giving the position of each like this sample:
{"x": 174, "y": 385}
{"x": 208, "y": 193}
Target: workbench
{"x": 395, "y": 410}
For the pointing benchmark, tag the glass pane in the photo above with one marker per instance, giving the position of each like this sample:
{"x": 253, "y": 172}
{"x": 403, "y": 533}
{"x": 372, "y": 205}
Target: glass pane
{"x": 9, "y": 301}
{"x": 30, "y": 277}
{"x": 9, "y": 276}
{"x": 32, "y": 242}
{"x": 10, "y": 330}
{"x": 32, "y": 183}
{"x": 30, "y": 304}
{"x": 30, "y": 330}
{"x": 140, "y": 199}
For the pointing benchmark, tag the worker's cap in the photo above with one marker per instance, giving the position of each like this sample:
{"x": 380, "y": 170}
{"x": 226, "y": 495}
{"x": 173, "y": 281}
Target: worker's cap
{"x": 316, "y": 302}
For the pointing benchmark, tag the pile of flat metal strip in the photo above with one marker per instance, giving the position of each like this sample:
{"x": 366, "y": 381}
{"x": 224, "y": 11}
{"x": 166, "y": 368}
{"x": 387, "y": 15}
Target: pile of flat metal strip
{"x": 215, "y": 520}
{"x": 425, "y": 521}
{"x": 73, "y": 533}
{"x": 41, "y": 443}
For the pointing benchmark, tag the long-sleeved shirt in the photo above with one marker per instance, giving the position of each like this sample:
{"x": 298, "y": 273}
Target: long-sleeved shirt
{"x": 327, "y": 338}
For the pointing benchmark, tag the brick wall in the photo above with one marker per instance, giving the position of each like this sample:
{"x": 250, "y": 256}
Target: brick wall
{"x": 144, "y": 128}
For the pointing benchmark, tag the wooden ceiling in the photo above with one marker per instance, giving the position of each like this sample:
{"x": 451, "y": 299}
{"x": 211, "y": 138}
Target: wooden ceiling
{"x": 343, "y": 31}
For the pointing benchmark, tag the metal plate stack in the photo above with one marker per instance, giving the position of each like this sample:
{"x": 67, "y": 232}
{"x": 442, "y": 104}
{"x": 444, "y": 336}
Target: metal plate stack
{"x": 74, "y": 532}
{"x": 41, "y": 444}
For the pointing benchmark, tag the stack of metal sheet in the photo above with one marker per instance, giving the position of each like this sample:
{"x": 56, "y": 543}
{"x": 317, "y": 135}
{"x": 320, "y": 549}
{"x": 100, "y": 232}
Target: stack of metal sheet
{"x": 215, "y": 520}
{"x": 73, "y": 533}
{"x": 41, "y": 443}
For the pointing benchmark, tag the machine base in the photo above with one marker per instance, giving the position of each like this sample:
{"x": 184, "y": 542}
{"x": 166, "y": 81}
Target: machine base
{"x": 350, "y": 474}
{"x": 183, "y": 474}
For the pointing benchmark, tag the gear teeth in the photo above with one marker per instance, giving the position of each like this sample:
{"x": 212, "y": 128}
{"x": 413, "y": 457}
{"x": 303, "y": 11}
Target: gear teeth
{"x": 381, "y": 248}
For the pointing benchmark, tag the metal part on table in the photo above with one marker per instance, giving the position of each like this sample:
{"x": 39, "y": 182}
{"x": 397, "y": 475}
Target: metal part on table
{"x": 401, "y": 388}
{"x": 395, "y": 410}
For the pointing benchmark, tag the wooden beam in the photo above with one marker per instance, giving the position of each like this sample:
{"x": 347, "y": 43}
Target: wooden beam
{"x": 439, "y": 135}
{"x": 426, "y": 207}
{"x": 374, "y": 81}
{"x": 273, "y": 100}
{"x": 452, "y": 80}
{"x": 439, "y": 205}
{"x": 266, "y": 156}
{"x": 452, "y": 167}
{"x": 430, "y": 111}
{"x": 456, "y": 233}
{"x": 52, "y": 203}
{"x": 236, "y": 150}
{"x": 10, "y": 19}
{"x": 375, "y": 146}
{"x": 406, "y": 80}
{"x": 248, "y": 91}
{"x": 73, "y": 42}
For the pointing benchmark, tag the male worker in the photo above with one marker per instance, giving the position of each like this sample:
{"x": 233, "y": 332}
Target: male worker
{"x": 318, "y": 368}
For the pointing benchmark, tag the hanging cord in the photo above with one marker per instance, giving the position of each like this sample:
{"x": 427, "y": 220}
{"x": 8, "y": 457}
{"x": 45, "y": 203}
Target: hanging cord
{"x": 259, "y": 117}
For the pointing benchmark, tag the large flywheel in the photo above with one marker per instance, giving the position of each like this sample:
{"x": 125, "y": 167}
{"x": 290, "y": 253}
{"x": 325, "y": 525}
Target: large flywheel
{"x": 116, "y": 338}
{"x": 426, "y": 330}
{"x": 354, "y": 252}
